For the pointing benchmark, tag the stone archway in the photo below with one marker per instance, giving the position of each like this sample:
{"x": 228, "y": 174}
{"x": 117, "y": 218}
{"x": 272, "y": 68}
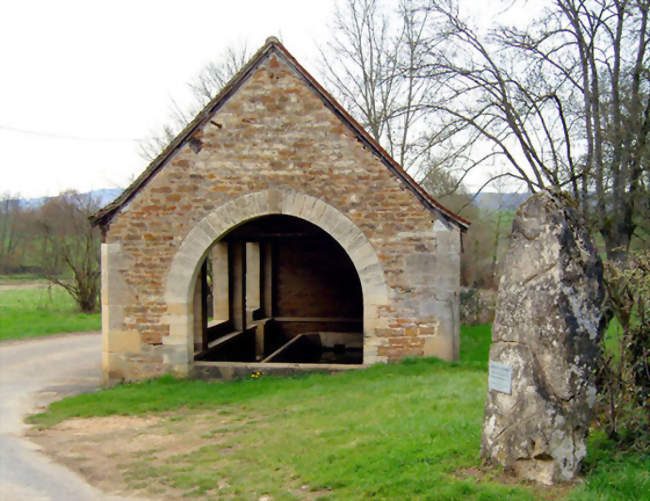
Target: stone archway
{"x": 179, "y": 285}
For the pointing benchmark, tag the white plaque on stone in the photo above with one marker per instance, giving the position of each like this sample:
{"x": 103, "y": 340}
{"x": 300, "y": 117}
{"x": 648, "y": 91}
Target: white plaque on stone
{"x": 500, "y": 377}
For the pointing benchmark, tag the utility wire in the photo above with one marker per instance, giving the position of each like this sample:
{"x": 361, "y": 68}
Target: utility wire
{"x": 53, "y": 135}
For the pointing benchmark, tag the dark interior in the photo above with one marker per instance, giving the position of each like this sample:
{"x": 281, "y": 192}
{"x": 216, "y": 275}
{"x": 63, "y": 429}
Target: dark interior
{"x": 293, "y": 296}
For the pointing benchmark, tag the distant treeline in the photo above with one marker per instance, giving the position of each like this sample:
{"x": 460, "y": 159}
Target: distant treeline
{"x": 53, "y": 240}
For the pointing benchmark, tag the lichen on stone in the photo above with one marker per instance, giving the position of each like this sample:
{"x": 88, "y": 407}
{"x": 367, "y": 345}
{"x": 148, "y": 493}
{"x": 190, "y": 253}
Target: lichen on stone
{"x": 547, "y": 328}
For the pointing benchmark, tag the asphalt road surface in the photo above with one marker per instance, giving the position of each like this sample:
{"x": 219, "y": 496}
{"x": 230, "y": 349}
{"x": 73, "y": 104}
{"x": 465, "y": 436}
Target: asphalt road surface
{"x": 34, "y": 373}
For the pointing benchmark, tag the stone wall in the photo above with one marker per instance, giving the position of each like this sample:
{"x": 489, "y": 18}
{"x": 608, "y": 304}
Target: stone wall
{"x": 312, "y": 280}
{"x": 477, "y": 306}
{"x": 275, "y": 148}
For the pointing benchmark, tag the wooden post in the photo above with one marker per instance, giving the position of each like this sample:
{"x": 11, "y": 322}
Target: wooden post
{"x": 252, "y": 279}
{"x": 266, "y": 277}
{"x": 201, "y": 310}
{"x": 196, "y": 305}
{"x": 220, "y": 297}
{"x": 237, "y": 279}
{"x": 204, "y": 305}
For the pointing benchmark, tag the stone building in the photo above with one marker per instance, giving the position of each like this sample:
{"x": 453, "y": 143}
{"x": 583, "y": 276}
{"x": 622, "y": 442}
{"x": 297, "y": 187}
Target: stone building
{"x": 275, "y": 233}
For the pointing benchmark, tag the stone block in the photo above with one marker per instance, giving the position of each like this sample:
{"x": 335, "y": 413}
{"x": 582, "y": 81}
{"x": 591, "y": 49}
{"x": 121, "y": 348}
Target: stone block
{"x": 348, "y": 235}
{"x": 299, "y": 202}
{"x": 221, "y": 220}
{"x": 309, "y": 207}
{"x": 289, "y": 203}
{"x": 210, "y": 234}
{"x": 174, "y": 309}
{"x": 421, "y": 269}
{"x": 176, "y": 355}
{"x": 114, "y": 290}
{"x": 116, "y": 368}
{"x": 274, "y": 201}
{"x": 317, "y": 212}
{"x": 546, "y": 331}
{"x": 122, "y": 341}
{"x": 439, "y": 346}
{"x": 112, "y": 318}
{"x": 180, "y": 329}
{"x": 363, "y": 256}
{"x": 199, "y": 239}
{"x": 375, "y": 294}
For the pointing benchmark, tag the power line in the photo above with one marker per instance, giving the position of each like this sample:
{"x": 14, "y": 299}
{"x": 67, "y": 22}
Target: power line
{"x": 53, "y": 135}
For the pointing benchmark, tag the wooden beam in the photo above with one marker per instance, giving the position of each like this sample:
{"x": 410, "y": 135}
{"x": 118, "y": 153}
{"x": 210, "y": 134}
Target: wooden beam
{"x": 217, "y": 342}
{"x": 318, "y": 319}
{"x": 282, "y": 348}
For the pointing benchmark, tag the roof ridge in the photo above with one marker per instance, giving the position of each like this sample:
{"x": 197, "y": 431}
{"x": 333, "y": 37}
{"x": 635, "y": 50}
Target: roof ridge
{"x": 105, "y": 214}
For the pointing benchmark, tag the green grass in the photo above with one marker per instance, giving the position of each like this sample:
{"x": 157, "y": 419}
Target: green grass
{"x": 400, "y": 431}
{"x": 28, "y": 313}
{"x": 19, "y": 278}
{"x": 612, "y": 337}
{"x": 475, "y": 344}
{"x": 613, "y": 474}
{"x": 388, "y": 432}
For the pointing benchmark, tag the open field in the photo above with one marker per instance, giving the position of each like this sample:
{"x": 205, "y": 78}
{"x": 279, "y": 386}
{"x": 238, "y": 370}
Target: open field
{"x": 400, "y": 431}
{"x": 30, "y": 309}
{"x": 16, "y": 278}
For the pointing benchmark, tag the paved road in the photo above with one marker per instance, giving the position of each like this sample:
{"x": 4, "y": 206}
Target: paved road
{"x": 34, "y": 373}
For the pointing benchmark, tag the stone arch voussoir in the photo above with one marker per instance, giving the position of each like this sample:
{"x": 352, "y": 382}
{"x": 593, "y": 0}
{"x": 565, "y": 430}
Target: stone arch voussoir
{"x": 185, "y": 264}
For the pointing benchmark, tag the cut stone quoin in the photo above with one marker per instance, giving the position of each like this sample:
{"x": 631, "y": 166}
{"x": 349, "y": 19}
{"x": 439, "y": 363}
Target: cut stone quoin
{"x": 272, "y": 145}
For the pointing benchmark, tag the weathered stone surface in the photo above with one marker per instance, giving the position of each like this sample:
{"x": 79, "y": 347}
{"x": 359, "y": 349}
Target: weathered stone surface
{"x": 547, "y": 326}
{"x": 477, "y": 306}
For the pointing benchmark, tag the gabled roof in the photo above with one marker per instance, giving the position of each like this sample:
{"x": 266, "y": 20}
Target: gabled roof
{"x": 273, "y": 45}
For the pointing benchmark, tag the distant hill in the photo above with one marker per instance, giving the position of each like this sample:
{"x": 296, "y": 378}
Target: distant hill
{"x": 485, "y": 200}
{"x": 491, "y": 201}
{"x": 104, "y": 196}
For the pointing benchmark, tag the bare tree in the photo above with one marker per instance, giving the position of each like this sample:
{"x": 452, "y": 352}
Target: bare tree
{"x": 10, "y": 236}
{"x": 564, "y": 103}
{"x": 70, "y": 246}
{"x": 210, "y": 80}
{"x": 216, "y": 74}
{"x": 441, "y": 183}
{"x": 370, "y": 65}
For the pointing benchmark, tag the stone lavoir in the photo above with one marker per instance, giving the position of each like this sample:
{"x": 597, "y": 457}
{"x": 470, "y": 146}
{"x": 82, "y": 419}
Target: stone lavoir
{"x": 274, "y": 233}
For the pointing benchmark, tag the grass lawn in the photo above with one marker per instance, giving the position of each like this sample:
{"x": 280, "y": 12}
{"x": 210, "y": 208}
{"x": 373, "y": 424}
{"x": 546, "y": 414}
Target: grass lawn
{"x": 475, "y": 344}
{"x": 39, "y": 311}
{"x": 17, "y": 278}
{"x": 400, "y": 431}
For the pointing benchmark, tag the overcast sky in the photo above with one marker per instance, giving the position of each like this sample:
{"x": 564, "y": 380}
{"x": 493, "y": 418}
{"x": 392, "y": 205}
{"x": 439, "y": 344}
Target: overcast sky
{"x": 82, "y": 81}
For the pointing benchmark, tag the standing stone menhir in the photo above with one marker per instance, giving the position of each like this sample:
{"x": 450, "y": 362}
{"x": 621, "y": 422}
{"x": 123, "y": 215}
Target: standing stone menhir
{"x": 541, "y": 389}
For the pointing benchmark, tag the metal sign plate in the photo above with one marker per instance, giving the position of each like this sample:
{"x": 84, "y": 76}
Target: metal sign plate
{"x": 500, "y": 377}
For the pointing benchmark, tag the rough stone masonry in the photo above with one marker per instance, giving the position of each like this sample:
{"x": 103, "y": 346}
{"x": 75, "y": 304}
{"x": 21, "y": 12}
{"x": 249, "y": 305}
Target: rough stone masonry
{"x": 273, "y": 142}
{"x": 544, "y": 345}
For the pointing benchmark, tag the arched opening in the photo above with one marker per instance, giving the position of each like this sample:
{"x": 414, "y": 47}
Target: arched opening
{"x": 183, "y": 309}
{"x": 278, "y": 289}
